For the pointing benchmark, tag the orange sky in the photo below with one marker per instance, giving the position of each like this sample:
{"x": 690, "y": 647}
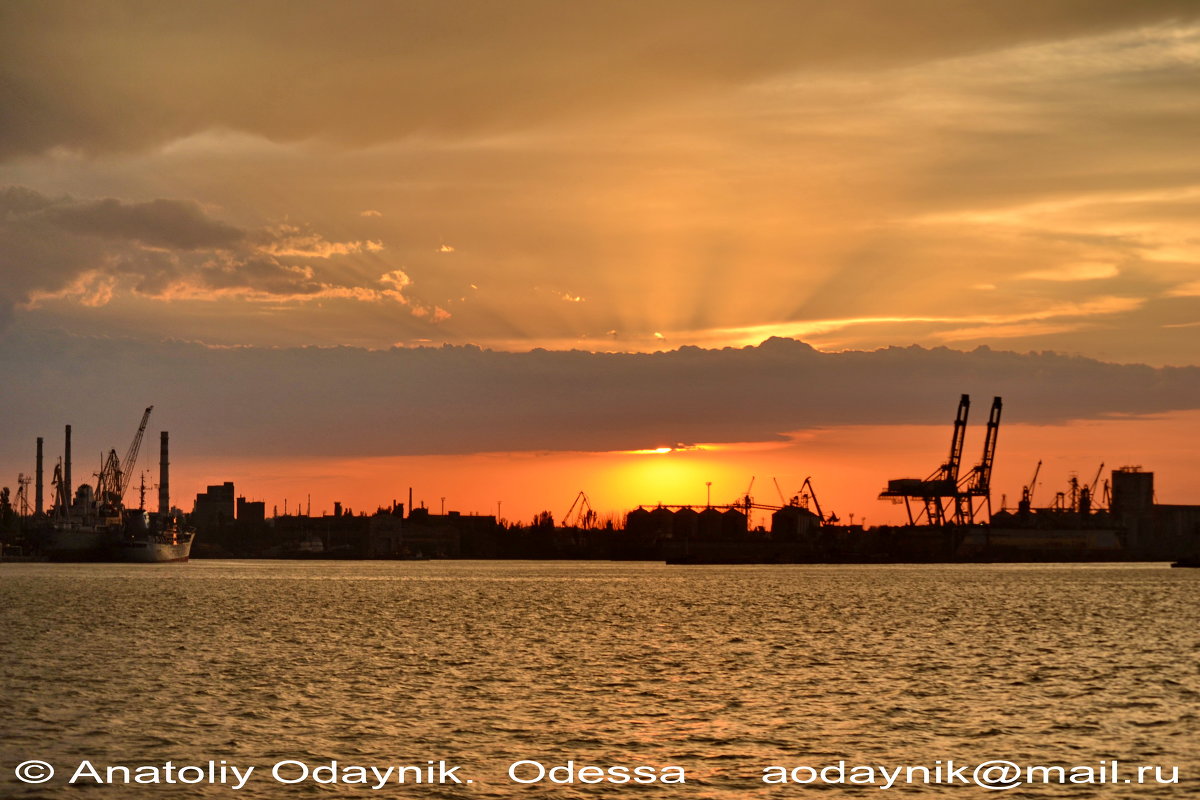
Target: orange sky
{"x": 848, "y": 466}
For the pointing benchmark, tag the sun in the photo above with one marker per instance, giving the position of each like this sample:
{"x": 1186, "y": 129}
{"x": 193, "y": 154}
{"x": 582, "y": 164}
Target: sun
{"x": 670, "y": 474}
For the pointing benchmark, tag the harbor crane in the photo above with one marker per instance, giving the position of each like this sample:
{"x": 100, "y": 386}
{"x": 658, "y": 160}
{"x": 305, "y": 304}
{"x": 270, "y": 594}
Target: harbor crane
{"x": 114, "y": 475}
{"x": 812, "y": 494}
{"x": 745, "y": 499}
{"x": 585, "y": 517}
{"x": 132, "y": 453}
{"x": 1087, "y": 493}
{"x": 945, "y": 497}
{"x": 1028, "y": 490}
{"x": 942, "y": 485}
{"x": 23, "y": 482}
{"x": 62, "y": 503}
{"x": 746, "y": 502}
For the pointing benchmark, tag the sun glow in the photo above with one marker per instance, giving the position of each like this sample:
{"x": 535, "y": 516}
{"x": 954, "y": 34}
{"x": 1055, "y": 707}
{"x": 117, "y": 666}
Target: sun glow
{"x": 678, "y": 478}
{"x": 664, "y": 449}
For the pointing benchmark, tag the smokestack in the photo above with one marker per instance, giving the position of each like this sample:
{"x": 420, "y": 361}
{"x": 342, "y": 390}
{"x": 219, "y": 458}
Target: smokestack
{"x": 37, "y": 503}
{"x": 67, "y": 488}
{"x": 164, "y": 482}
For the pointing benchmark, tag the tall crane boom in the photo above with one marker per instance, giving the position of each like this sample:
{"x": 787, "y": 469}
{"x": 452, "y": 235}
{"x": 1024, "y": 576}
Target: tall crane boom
{"x": 1028, "y": 490}
{"x": 586, "y": 517}
{"x": 980, "y": 479}
{"x": 132, "y": 453}
{"x": 950, "y": 470}
{"x": 817, "y": 503}
{"x": 979, "y": 482}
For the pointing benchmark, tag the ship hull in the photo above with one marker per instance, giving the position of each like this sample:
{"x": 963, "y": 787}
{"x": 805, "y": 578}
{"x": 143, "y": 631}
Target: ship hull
{"x": 76, "y": 544}
{"x": 92, "y": 544}
{"x": 148, "y": 551}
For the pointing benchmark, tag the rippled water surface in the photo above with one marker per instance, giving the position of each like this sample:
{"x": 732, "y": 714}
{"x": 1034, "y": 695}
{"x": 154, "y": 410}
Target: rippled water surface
{"x": 722, "y": 670}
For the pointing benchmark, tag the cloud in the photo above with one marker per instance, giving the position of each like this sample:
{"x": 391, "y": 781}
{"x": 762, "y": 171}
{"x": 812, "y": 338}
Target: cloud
{"x": 292, "y": 241}
{"x": 233, "y": 402}
{"x": 1016, "y": 330}
{"x": 170, "y": 224}
{"x": 91, "y": 251}
{"x": 92, "y": 288}
{"x": 1043, "y": 318}
{"x": 393, "y": 284}
{"x": 1191, "y": 289}
{"x": 370, "y": 212}
{"x": 558, "y": 294}
{"x": 1073, "y": 272}
{"x": 66, "y": 67}
{"x": 262, "y": 276}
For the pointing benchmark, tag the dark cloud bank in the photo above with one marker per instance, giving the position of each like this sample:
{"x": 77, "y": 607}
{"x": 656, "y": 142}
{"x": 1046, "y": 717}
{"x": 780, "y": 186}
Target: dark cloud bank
{"x": 344, "y": 401}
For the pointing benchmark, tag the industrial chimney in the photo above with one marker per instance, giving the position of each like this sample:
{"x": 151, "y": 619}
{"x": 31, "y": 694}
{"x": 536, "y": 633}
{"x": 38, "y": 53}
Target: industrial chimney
{"x": 37, "y": 503}
{"x": 164, "y": 482}
{"x": 67, "y": 489}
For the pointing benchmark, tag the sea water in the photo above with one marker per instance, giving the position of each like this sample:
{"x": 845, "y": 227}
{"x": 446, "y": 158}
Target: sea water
{"x": 570, "y": 679}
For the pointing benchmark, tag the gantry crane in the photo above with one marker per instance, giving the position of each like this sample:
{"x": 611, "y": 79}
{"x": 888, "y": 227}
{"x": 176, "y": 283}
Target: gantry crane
{"x": 945, "y": 498}
{"x": 940, "y": 488}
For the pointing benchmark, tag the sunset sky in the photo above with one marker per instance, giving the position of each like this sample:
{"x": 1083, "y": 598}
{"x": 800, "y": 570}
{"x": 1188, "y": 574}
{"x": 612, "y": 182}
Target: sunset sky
{"x": 345, "y": 248}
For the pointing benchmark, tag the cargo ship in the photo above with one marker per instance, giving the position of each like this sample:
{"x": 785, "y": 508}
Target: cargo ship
{"x": 95, "y": 525}
{"x": 83, "y": 529}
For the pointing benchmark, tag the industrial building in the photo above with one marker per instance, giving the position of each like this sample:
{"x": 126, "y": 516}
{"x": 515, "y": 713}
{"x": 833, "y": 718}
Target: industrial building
{"x": 215, "y": 507}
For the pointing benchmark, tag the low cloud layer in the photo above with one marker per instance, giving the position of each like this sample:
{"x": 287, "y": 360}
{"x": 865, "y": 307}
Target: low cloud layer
{"x": 253, "y": 402}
